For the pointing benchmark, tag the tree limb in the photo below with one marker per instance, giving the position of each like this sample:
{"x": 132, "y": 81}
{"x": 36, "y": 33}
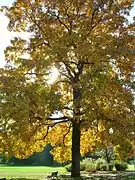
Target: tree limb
{"x": 67, "y": 133}
{"x": 59, "y": 118}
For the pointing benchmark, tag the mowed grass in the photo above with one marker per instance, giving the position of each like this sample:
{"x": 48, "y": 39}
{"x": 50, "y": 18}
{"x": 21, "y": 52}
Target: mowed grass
{"x": 39, "y": 169}
{"x": 31, "y": 172}
{"x": 34, "y": 172}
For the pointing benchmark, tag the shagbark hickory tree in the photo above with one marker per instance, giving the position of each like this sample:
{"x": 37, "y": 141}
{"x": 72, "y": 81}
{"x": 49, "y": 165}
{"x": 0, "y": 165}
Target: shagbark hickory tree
{"x": 92, "y": 45}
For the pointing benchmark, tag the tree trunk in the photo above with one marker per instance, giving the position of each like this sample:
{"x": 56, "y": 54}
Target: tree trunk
{"x": 75, "y": 150}
{"x": 76, "y": 130}
{"x": 76, "y": 133}
{"x": 107, "y": 155}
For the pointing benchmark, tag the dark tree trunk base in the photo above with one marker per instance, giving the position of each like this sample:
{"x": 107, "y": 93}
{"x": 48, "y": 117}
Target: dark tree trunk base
{"x": 75, "y": 150}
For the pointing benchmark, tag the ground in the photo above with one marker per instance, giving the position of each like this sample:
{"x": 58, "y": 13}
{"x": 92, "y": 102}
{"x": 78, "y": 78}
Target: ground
{"x": 41, "y": 172}
{"x": 36, "y": 172}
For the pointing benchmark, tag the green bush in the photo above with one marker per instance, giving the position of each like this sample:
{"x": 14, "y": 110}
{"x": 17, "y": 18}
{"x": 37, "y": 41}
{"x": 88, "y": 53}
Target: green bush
{"x": 104, "y": 167}
{"x": 89, "y": 164}
{"x": 99, "y": 163}
{"x": 110, "y": 167}
{"x": 90, "y": 167}
{"x": 68, "y": 167}
{"x": 87, "y": 161}
{"x": 120, "y": 166}
{"x": 82, "y": 166}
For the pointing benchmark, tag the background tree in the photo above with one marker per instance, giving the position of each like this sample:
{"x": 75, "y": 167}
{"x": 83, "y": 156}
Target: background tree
{"x": 122, "y": 150}
{"x": 91, "y": 43}
{"x": 43, "y": 158}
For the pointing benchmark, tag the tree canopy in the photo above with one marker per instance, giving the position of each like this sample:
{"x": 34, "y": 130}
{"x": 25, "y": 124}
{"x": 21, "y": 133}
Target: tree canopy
{"x": 92, "y": 45}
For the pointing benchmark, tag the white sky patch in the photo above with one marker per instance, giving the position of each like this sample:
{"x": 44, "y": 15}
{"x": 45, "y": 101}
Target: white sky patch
{"x": 6, "y": 2}
{"x": 6, "y": 36}
{"x": 132, "y": 14}
{"x": 53, "y": 75}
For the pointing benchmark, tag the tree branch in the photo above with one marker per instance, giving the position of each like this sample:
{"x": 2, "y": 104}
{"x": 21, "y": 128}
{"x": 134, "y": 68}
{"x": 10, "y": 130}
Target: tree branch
{"x": 59, "y": 118}
{"x": 67, "y": 108}
{"x": 62, "y": 81}
{"x": 61, "y": 22}
{"x": 69, "y": 70}
{"x": 64, "y": 74}
{"x": 32, "y": 18}
{"x": 92, "y": 18}
{"x": 67, "y": 133}
{"x": 51, "y": 126}
{"x": 34, "y": 73}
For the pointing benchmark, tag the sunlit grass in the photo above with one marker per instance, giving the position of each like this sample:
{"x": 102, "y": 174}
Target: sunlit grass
{"x": 31, "y": 172}
{"x": 29, "y": 169}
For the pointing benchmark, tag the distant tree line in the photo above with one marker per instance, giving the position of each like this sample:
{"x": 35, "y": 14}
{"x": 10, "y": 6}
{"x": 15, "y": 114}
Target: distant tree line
{"x": 43, "y": 158}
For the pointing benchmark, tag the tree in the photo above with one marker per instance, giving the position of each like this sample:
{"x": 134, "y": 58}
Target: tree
{"x": 91, "y": 43}
{"x": 122, "y": 151}
{"x": 38, "y": 159}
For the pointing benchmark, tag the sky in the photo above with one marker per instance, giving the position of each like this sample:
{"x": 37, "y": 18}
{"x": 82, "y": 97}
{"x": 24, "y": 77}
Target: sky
{"x": 6, "y": 36}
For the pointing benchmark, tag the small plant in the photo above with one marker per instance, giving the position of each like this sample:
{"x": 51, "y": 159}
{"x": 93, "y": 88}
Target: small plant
{"x": 110, "y": 167}
{"x": 68, "y": 167}
{"x": 99, "y": 163}
{"x": 82, "y": 166}
{"x": 88, "y": 164}
{"x": 104, "y": 167}
{"x": 91, "y": 167}
{"x": 87, "y": 161}
{"x": 120, "y": 166}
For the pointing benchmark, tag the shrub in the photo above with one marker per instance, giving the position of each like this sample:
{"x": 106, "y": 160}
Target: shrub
{"x": 110, "y": 167}
{"x": 104, "y": 167}
{"x": 99, "y": 163}
{"x": 91, "y": 167}
{"x": 68, "y": 167}
{"x": 87, "y": 161}
{"x": 89, "y": 164}
{"x": 120, "y": 166}
{"x": 82, "y": 166}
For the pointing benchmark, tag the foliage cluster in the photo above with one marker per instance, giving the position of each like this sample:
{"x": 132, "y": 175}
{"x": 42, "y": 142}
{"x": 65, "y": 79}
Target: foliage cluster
{"x": 120, "y": 166}
{"x": 43, "y": 158}
{"x": 90, "y": 165}
{"x": 122, "y": 150}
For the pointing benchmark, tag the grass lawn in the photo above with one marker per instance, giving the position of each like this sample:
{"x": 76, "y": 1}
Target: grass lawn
{"x": 35, "y": 172}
